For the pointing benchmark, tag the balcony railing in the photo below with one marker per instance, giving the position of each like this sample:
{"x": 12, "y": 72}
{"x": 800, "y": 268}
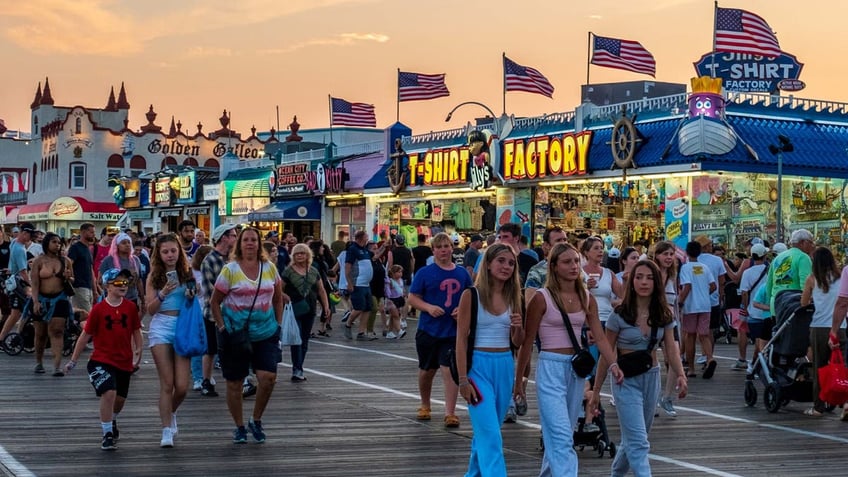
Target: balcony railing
{"x": 13, "y": 198}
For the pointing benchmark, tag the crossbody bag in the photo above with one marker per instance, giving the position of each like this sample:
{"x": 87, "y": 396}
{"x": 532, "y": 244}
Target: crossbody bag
{"x": 582, "y": 361}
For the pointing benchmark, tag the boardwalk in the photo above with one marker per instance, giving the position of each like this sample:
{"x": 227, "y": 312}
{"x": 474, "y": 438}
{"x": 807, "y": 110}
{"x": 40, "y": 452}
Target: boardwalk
{"x": 355, "y": 416}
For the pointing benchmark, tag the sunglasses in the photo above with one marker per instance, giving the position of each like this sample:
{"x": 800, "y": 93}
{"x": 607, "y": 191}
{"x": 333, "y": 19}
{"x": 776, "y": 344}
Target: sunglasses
{"x": 120, "y": 283}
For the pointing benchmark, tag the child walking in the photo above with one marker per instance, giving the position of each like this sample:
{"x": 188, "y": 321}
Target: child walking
{"x": 395, "y": 301}
{"x": 115, "y": 327}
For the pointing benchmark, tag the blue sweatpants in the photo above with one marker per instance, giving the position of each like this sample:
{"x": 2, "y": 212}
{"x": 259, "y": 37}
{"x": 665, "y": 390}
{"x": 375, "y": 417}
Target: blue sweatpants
{"x": 560, "y": 395}
{"x": 494, "y": 375}
{"x": 635, "y": 402}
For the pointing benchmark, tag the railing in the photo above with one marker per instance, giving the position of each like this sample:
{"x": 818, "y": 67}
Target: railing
{"x": 13, "y": 198}
{"x": 762, "y": 99}
{"x": 538, "y": 121}
{"x": 339, "y": 151}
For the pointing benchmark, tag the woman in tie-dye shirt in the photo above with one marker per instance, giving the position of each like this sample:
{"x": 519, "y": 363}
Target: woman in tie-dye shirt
{"x": 248, "y": 291}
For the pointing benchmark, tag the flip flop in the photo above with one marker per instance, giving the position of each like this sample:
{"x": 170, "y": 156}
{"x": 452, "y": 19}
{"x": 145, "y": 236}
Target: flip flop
{"x": 813, "y": 413}
{"x": 711, "y": 367}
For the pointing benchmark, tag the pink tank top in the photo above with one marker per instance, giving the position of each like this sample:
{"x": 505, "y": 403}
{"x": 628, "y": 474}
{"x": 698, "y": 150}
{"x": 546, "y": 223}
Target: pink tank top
{"x": 552, "y": 333}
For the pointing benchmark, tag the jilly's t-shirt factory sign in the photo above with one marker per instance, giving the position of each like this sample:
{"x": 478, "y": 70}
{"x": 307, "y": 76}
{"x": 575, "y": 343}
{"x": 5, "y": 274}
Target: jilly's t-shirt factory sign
{"x": 546, "y": 156}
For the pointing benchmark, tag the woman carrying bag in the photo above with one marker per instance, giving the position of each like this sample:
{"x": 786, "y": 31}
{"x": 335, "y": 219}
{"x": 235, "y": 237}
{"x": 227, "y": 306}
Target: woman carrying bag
{"x": 247, "y": 306}
{"x": 302, "y": 282}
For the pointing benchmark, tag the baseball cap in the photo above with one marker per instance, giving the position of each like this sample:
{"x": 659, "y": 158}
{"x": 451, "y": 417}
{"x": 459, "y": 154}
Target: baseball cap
{"x": 759, "y": 250}
{"x": 476, "y": 237}
{"x": 221, "y": 230}
{"x": 113, "y": 273}
{"x": 400, "y": 240}
{"x": 27, "y": 227}
{"x": 800, "y": 235}
{"x": 755, "y": 240}
{"x": 15, "y": 229}
{"x": 272, "y": 233}
{"x": 110, "y": 231}
{"x": 455, "y": 239}
{"x": 779, "y": 247}
{"x": 614, "y": 253}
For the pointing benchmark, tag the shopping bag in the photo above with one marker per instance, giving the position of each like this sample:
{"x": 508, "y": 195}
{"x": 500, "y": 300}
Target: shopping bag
{"x": 190, "y": 332}
{"x": 833, "y": 380}
{"x": 290, "y": 335}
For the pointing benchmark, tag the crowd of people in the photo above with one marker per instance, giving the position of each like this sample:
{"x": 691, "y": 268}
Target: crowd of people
{"x": 499, "y": 293}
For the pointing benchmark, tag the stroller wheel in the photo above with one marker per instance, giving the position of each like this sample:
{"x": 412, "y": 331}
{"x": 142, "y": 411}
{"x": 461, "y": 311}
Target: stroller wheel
{"x": 612, "y": 449}
{"x": 771, "y": 398}
{"x": 13, "y": 344}
{"x": 750, "y": 394}
{"x": 602, "y": 447}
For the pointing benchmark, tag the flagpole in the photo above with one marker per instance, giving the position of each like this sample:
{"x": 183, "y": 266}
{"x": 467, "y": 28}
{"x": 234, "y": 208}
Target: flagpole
{"x": 588, "y": 57}
{"x": 503, "y": 62}
{"x": 712, "y": 57}
{"x": 330, "y": 105}
{"x": 398, "y": 96}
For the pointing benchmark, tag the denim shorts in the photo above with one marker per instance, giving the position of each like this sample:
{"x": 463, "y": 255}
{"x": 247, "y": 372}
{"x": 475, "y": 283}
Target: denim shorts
{"x": 162, "y": 328}
{"x": 360, "y": 299}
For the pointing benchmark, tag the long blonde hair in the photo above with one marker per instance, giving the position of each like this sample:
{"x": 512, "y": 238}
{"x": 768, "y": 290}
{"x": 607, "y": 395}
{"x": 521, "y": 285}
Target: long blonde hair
{"x": 511, "y": 287}
{"x": 553, "y": 284}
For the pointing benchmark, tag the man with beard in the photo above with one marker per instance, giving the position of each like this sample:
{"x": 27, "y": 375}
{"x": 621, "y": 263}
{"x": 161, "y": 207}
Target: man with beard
{"x": 186, "y": 234}
{"x": 83, "y": 264}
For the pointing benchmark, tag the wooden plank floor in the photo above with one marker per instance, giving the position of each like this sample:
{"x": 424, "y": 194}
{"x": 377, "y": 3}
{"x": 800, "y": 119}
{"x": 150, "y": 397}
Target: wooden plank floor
{"x": 355, "y": 416}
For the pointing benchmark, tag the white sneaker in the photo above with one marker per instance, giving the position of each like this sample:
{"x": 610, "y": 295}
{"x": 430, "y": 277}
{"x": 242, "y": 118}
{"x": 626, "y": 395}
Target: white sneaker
{"x": 701, "y": 359}
{"x": 174, "y": 429}
{"x": 612, "y": 401}
{"x": 403, "y": 323}
{"x": 391, "y": 335}
{"x": 198, "y": 385}
{"x": 167, "y": 438}
{"x": 510, "y": 414}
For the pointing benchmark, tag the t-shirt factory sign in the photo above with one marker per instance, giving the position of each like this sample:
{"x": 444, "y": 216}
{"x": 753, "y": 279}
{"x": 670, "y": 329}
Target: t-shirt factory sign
{"x": 546, "y": 156}
{"x": 439, "y": 167}
{"x": 753, "y": 73}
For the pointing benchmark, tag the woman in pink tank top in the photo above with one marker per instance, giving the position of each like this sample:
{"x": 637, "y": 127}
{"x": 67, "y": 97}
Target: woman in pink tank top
{"x": 558, "y": 389}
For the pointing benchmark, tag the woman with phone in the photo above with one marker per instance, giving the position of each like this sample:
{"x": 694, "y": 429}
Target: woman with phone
{"x": 558, "y": 388}
{"x": 637, "y": 325}
{"x": 487, "y": 386}
{"x": 169, "y": 284}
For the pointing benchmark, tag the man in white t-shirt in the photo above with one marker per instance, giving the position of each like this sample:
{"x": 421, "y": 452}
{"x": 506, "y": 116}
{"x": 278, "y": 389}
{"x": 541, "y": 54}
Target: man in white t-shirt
{"x": 696, "y": 283}
{"x": 719, "y": 272}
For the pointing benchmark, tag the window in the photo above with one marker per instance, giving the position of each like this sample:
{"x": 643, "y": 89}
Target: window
{"x": 77, "y": 176}
{"x": 78, "y": 129}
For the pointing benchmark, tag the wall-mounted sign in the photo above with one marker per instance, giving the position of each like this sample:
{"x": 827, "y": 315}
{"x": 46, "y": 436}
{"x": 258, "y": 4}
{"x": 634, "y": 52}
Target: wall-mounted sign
{"x": 291, "y": 179}
{"x": 750, "y": 73}
{"x": 202, "y": 210}
{"x": 186, "y": 188}
{"x": 65, "y": 208}
{"x": 162, "y": 191}
{"x": 211, "y": 192}
{"x": 132, "y": 196}
{"x": 439, "y": 167}
{"x": 170, "y": 212}
{"x": 546, "y": 156}
{"x": 326, "y": 180}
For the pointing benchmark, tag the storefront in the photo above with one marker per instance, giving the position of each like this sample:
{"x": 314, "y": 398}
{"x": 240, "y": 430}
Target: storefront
{"x": 244, "y": 191}
{"x": 65, "y": 215}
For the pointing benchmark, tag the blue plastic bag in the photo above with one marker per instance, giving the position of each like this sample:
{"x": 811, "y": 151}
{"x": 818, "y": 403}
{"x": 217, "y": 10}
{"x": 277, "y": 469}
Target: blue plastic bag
{"x": 190, "y": 333}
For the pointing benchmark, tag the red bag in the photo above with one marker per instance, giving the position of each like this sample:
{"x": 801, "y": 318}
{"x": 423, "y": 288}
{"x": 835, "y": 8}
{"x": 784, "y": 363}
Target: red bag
{"x": 833, "y": 380}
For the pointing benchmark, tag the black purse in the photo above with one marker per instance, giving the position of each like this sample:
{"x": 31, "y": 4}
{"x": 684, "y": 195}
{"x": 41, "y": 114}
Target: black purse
{"x": 238, "y": 342}
{"x": 638, "y": 362}
{"x": 469, "y": 349}
{"x": 582, "y": 361}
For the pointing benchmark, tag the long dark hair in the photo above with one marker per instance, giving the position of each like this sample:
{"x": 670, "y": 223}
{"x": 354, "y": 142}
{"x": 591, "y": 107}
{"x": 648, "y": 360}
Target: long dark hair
{"x": 825, "y": 268}
{"x": 659, "y": 313}
{"x": 660, "y": 247}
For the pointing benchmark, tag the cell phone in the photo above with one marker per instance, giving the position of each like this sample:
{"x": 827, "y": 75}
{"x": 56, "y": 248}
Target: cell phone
{"x": 476, "y": 392}
{"x": 172, "y": 276}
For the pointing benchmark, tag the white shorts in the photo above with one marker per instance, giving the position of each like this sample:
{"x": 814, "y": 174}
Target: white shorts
{"x": 162, "y": 329}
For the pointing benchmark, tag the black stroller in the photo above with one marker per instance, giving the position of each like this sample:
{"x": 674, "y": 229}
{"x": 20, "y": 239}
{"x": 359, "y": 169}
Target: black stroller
{"x": 782, "y": 366}
{"x": 595, "y": 435}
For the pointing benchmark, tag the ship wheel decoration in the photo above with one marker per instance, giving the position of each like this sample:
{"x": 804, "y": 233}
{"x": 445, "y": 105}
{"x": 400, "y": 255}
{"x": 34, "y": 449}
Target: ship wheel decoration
{"x": 624, "y": 141}
{"x": 396, "y": 172}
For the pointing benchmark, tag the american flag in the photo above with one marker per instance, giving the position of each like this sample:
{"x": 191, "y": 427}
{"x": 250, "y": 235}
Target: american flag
{"x": 418, "y": 86}
{"x": 739, "y": 31}
{"x": 524, "y": 78}
{"x": 352, "y": 114}
{"x": 624, "y": 55}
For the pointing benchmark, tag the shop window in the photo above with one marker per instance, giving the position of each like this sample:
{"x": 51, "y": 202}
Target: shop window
{"x": 77, "y": 175}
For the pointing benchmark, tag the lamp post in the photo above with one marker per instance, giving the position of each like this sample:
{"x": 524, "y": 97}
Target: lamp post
{"x": 492, "y": 113}
{"x": 785, "y": 146}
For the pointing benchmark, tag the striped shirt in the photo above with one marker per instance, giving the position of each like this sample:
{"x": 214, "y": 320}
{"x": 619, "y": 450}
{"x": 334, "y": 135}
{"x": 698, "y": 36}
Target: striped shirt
{"x": 239, "y": 291}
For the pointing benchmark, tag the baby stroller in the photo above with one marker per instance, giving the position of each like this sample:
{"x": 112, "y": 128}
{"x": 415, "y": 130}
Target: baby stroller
{"x": 24, "y": 340}
{"x": 782, "y": 366}
{"x": 594, "y": 435}
{"x": 732, "y": 301}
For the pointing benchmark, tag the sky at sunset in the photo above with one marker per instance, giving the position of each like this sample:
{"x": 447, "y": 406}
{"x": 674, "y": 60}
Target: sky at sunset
{"x": 194, "y": 58}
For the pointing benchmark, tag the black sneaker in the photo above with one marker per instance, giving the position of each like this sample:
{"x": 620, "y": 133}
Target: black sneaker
{"x": 257, "y": 431}
{"x": 108, "y": 442}
{"x": 208, "y": 389}
{"x": 240, "y": 435}
{"x": 115, "y": 433}
{"x": 248, "y": 390}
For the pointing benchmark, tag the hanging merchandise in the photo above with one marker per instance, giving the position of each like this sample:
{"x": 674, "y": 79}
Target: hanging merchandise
{"x": 489, "y": 210}
{"x": 437, "y": 215}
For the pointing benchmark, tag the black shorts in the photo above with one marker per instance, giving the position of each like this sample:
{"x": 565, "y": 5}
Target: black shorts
{"x": 105, "y": 377}
{"x": 433, "y": 352}
{"x": 61, "y": 309}
{"x": 17, "y": 301}
{"x": 716, "y": 317}
{"x": 5, "y": 305}
{"x": 760, "y": 329}
{"x": 211, "y": 338}
{"x": 265, "y": 356}
{"x": 399, "y": 302}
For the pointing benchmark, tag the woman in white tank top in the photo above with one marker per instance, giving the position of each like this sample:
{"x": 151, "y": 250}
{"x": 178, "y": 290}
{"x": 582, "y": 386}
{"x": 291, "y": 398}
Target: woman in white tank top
{"x": 601, "y": 282}
{"x": 487, "y": 386}
{"x": 664, "y": 257}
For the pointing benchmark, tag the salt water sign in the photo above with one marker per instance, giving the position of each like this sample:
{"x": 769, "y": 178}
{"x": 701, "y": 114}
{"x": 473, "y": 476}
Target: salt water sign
{"x": 752, "y": 73}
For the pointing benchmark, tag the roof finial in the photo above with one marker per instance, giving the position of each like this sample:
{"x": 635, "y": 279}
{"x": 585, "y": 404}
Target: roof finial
{"x": 110, "y": 105}
{"x": 122, "y": 98}
{"x": 37, "y": 101}
{"x": 47, "y": 97}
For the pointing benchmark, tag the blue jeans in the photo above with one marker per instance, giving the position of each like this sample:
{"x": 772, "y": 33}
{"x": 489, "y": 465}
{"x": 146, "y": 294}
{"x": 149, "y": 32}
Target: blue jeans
{"x": 197, "y": 368}
{"x": 560, "y": 395}
{"x": 298, "y": 353}
{"x": 494, "y": 375}
{"x": 635, "y": 402}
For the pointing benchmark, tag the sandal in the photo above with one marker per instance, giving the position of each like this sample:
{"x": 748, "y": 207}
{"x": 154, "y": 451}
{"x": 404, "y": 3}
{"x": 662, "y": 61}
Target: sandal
{"x": 813, "y": 413}
{"x": 691, "y": 375}
{"x": 451, "y": 422}
{"x": 423, "y": 414}
{"x": 323, "y": 333}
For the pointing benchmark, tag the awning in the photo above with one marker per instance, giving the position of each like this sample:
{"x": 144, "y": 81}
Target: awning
{"x": 31, "y": 212}
{"x": 70, "y": 208}
{"x": 10, "y": 214}
{"x": 297, "y": 209}
{"x": 361, "y": 170}
{"x": 245, "y": 190}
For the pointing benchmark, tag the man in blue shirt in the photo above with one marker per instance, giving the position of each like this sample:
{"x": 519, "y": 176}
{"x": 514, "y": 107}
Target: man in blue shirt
{"x": 435, "y": 291}
{"x": 18, "y": 269}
